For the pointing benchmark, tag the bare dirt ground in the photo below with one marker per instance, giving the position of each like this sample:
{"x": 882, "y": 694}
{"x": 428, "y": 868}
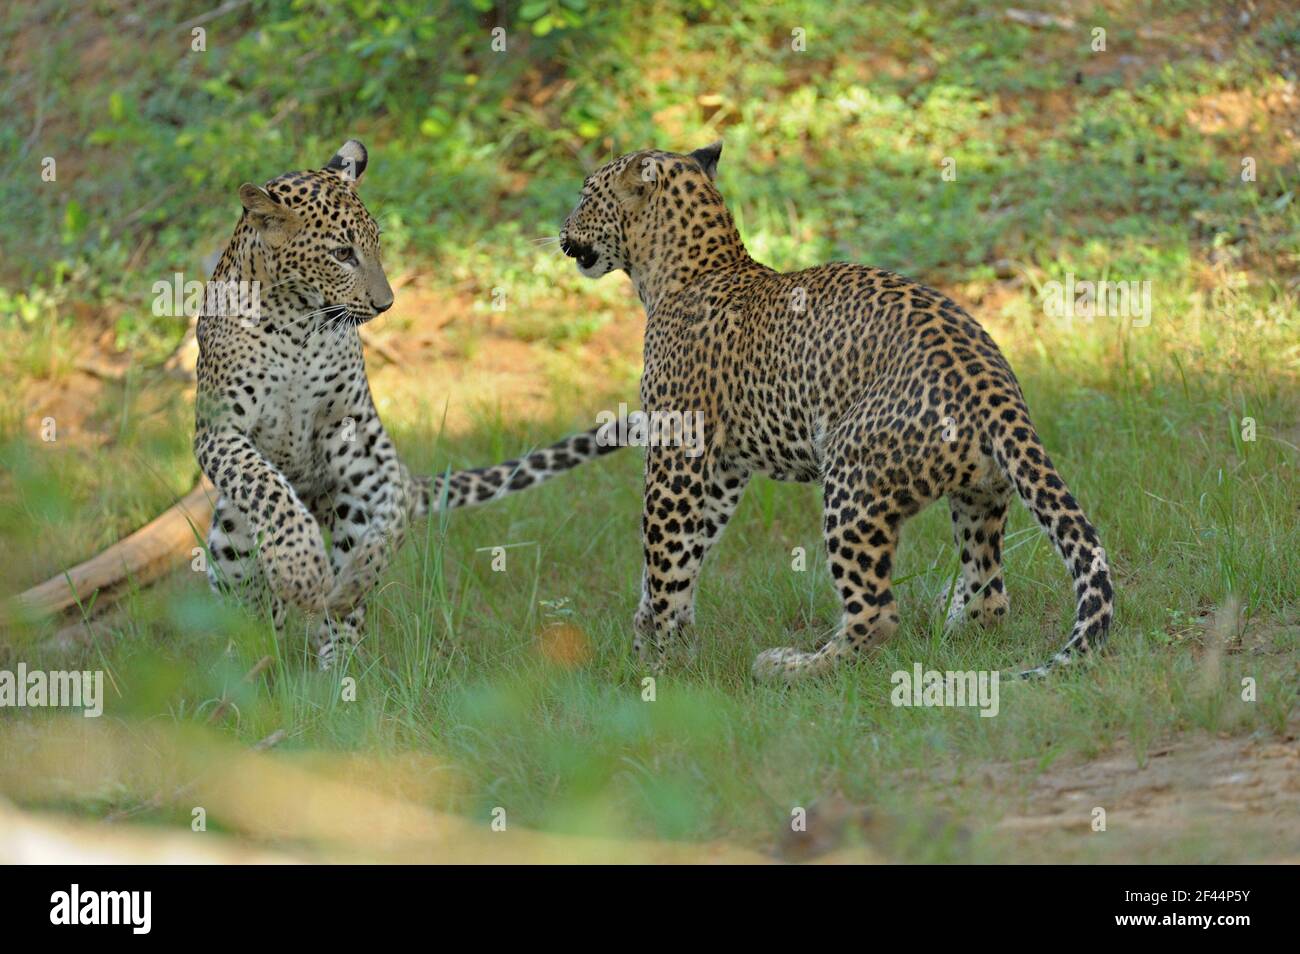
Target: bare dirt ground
{"x": 1165, "y": 807}
{"x": 1179, "y": 792}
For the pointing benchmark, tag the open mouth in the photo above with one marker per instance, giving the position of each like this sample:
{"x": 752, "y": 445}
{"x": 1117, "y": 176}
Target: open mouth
{"x": 584, "y": 254}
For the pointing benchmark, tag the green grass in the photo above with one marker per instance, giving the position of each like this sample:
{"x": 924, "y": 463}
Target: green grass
{"x": 1190, "y": 516}
{"x": 1068, "y": 163}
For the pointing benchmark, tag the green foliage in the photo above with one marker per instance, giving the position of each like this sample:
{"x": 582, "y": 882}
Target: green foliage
{"x": 824, "y": 145}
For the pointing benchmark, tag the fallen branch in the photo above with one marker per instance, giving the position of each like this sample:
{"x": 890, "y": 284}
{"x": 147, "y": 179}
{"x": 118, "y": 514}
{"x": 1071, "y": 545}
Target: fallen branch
{"x": 1033, "y": 18}
{"x": 220, "y": 708}
{"x": 211, "y": 15}
{"x": 154, "y": 550}
{"x": 270, "y": 742}
{"x": 160, "y": 799}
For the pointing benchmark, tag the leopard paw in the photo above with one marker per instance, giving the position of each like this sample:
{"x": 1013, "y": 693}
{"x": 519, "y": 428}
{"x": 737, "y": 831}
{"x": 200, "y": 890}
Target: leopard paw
{"x": 784, "y": 664}
{"x": 301, "y": 574}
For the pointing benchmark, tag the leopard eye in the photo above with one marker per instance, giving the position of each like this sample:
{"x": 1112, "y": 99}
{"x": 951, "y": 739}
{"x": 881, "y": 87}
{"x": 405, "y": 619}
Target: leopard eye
{"x": 345, "y": 255}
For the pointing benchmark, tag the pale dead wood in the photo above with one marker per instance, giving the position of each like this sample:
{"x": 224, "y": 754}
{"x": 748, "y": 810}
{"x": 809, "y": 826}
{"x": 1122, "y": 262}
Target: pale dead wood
{"x": 28, "y": 838}
{"x": 220, "y": 708}
{"x": 154, "y": 550}
{"x": 270, "y": 742}
{"x": 227, "y": 7}
{"x": 1033, "y": 18}
{"x": 319, "y": 806}
{"x": 160, "y": 799}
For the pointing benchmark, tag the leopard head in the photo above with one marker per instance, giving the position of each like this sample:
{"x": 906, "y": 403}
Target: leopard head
{"x": 317, "y": 237}
{"x": 648, "y": 210}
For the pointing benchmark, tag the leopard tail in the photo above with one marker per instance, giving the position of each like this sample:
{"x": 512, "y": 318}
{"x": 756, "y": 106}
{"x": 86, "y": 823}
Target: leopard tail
{"x": 480, "y": 485}
{"x": 1020, "y": 455}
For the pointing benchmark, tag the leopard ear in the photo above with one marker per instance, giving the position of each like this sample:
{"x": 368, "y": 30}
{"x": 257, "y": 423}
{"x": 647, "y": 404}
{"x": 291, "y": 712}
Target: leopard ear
{"x": 707, "y": 158}
{"x": 275, "y": 222}
{"x": 350, "y": 161}
{"x": 638, "y": 178}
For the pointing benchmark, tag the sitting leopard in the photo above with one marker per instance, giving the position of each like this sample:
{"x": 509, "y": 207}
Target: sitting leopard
{"x": 884, "y": 391}
{"x": 285, "y": 425}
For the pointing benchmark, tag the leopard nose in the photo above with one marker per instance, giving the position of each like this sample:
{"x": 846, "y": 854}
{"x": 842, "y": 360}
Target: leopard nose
{"x": 381, "y": 308}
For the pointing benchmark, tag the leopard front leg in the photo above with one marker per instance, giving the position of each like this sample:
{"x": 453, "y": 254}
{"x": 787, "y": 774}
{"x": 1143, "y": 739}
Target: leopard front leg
{"x": 270, "y": 518}
{"x": 233, "y": 566}
{"x": 688, "y": 501}
{"x": 368, "y": 514}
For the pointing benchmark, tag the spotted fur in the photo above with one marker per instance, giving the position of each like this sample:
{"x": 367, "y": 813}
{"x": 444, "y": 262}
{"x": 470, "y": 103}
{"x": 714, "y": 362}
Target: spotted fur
{"x": 285, "y": 424}
{"x": 884, "y": 391}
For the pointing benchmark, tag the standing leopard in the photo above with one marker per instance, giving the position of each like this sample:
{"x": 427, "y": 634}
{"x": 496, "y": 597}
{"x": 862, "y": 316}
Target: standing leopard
{"x": 884, "y": 391}
{"x": 285, "y": 424}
